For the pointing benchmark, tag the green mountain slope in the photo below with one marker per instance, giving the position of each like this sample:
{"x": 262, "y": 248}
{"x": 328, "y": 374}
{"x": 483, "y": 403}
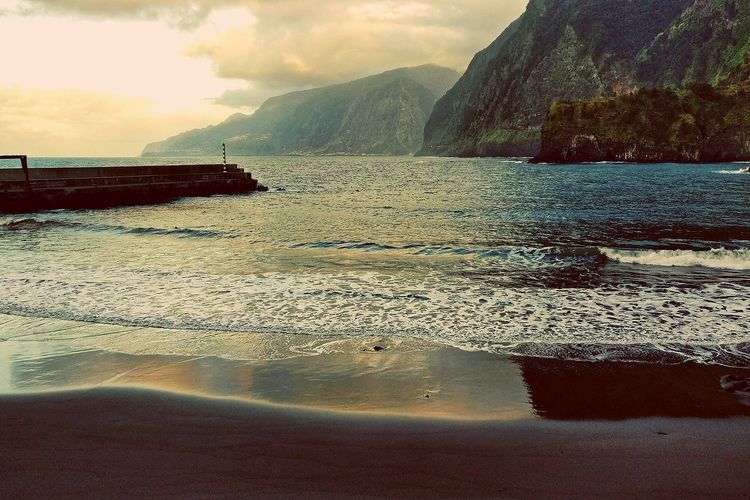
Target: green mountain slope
{"x": 695, "y": 124}
{"x": 581, "y": 49}
{"x": 698, "y": 123}
{"x": 381, "y": 114}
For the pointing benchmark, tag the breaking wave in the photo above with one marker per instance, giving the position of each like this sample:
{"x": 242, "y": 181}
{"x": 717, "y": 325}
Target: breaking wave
{"x": 639, "y": 254}
{"x": 432, "y": 306}
{"x": 571, "y": 262}
{"x": 743, "y": 170}
{"x": 507, "y": 252}
{"x": 719, "y": 258}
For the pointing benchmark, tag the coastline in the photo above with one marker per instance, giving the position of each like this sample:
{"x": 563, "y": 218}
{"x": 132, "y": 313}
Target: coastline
{"x": 129, "y": 442}
{"x": 339, "y": 418}
{"x": 376, "y": 374}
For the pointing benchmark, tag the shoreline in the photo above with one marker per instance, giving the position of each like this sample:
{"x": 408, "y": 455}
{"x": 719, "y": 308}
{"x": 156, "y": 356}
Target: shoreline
{"x": 342, "y": 419}
{"x": 368, "y": 375}
{"x": 132, "y": 442}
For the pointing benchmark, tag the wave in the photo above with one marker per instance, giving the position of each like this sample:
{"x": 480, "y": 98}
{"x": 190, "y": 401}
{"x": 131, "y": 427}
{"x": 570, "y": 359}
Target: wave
{"x": 343, "y": 245}
{"x": 429, "y": 305}
{"x": 735, "y": 355}
{"x": 520, "y": 253}
{"x": 506, "y": 253}
{"x": 733, "y": 255}
{"x": 177, "y": 231}
{"x": 732, "y": 172}
{"x": 35, "y": 224}
{"x": 678, "y": 256}
{"x": 718, "y": 258}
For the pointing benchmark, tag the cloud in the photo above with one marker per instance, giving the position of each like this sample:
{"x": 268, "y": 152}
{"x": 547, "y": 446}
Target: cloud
{"x": 72, "y": 123}
{"x": 303, "y": 43}
{"x": 298, "y": 43}
{"x": 270, "y": 46}
{"x": 183, "y": 14}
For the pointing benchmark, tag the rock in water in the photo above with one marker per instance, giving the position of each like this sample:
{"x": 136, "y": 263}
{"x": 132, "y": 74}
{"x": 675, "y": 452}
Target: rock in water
{"x": 697, "y": 124}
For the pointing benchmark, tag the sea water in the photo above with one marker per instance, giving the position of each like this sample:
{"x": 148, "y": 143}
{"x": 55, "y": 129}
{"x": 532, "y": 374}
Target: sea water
{"x": 598, "y": 261}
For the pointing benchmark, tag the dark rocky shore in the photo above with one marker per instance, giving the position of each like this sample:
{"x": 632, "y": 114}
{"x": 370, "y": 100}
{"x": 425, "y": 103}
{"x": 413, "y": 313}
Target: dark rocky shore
{"x": 696, "y": 124}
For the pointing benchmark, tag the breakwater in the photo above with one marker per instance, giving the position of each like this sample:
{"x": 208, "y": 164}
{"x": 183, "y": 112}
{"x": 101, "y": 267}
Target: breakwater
{"x": 30, "y": 189}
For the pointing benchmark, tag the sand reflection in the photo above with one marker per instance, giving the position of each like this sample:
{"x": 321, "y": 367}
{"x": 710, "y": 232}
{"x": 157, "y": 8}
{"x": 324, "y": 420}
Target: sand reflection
{"x": 446, "y": 383}
{"x": 439, "y": 382}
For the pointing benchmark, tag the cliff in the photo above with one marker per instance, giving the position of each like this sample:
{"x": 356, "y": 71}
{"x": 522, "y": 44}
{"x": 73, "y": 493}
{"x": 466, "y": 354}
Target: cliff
{"x": 382, "y": 114}
{"x": 582, "y": 49}
{"x": 699, "y": 123}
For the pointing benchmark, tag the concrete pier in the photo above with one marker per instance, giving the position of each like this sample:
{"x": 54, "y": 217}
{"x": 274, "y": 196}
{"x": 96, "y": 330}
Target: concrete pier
{"x": 31, "y": 189}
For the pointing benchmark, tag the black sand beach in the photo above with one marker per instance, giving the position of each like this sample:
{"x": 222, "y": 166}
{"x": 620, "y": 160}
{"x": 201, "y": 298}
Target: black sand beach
{"x": 126, "y": 442}
{"x": 407, "y": 420}
{"x": 414, "y": 306}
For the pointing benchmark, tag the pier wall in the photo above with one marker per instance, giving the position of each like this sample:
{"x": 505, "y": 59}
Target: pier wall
{"x": 81, "y": 187}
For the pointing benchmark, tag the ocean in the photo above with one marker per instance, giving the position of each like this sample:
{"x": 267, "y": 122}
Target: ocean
{"x": 602, "y": 261}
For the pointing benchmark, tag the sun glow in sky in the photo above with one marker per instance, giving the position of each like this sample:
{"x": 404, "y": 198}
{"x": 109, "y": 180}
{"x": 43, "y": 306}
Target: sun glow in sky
{"x": 105, "y": 77}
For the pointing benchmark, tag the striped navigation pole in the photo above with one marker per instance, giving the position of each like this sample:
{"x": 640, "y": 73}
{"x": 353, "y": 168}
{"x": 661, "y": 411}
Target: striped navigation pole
{"x": 224, "y": 152}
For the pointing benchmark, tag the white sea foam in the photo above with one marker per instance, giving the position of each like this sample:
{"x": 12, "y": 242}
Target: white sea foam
{"x": 733, "y": 172}
{"x": 718, "y": 258}
{"x": 493, "y": 258}
{"x": 430, "y": 307}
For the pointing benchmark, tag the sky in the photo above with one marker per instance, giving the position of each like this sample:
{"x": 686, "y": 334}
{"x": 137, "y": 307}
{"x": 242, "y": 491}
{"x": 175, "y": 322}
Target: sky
{"x": 106, "y": 77}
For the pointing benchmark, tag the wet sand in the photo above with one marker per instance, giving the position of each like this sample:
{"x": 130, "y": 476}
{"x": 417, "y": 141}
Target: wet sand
{"x": 342, "y": 419}
{"x": 127, "y": 442}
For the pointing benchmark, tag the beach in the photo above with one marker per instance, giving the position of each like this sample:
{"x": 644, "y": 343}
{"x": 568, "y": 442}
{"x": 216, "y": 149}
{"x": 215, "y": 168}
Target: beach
{"x": 379, "y": 334}
{"x": 378, "y": 249}
{"x": 404, "y": 421}
{"x": 132, "y": 442}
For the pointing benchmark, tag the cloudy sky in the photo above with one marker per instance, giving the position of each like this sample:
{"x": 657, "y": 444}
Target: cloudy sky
{"x": 105, "y": 77}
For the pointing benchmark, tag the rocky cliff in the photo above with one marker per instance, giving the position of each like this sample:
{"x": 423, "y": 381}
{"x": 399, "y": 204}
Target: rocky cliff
{"x": 381, "y": 114}
{"x": 582, "y": 49}
{"x": 698, "y": 123}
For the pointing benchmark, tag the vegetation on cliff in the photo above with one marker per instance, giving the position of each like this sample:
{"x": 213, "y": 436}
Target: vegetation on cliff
{"x": 582, "y": 49}
{"x": 698, "y": 123}
{"x": 381, "y": 114}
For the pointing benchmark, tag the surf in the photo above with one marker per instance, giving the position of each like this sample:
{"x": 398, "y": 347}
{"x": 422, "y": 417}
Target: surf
{"x": 717, "y": 258}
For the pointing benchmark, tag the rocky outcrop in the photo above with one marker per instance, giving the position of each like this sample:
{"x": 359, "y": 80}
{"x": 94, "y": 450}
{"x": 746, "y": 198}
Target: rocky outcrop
{"x": 582, "y": 49}
{"x": 699, "y": 123}
{"x": 383, "y": 114}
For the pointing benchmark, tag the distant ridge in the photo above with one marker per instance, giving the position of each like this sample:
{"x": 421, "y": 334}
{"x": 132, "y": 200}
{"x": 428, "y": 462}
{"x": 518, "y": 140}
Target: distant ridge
{"x": 382, "y": 114}
{"x": 564, "y": 50}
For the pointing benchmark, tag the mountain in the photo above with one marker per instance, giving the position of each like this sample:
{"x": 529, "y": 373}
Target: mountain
{"x": 382, "y": 114}
{"x": 562, "y": 50}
